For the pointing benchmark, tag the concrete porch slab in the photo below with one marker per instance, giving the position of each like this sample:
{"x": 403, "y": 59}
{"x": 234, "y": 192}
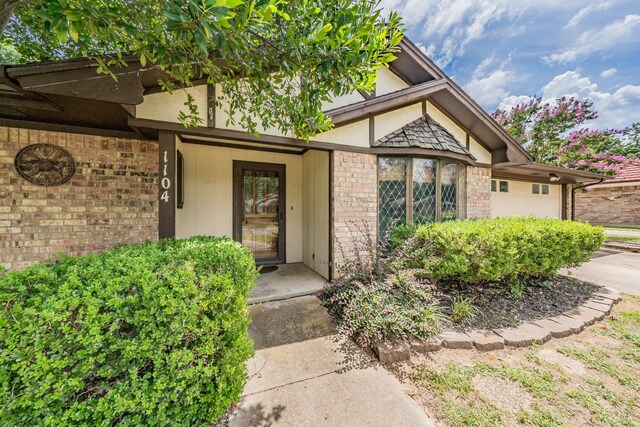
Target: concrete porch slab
{"x": 288, "y": 281}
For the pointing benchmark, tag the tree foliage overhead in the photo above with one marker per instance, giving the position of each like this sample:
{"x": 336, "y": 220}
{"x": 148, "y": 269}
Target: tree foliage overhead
{"x": 554, "y": 132}
{"x": 276, "y": 60}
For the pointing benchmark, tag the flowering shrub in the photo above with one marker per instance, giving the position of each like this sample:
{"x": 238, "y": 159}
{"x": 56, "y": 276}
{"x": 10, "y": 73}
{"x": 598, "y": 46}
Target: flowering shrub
{"x": 500, "y": 249}
{"x": 370, "y": 302}
{"x": 554, "y": 133}
{"x": 152, "y": 334}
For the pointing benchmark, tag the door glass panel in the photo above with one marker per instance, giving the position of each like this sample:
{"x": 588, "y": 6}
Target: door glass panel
{"x": 424, "y": 191}
{"x": 260, "y": 198}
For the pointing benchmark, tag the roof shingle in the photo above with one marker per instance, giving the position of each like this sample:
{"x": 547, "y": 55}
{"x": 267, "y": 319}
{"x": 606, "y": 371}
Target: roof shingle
{"x": 422, "y": 133}
{"x": 629, "y": 173}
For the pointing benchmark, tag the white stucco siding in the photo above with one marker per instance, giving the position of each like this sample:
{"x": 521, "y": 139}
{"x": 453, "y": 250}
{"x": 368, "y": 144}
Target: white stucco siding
{"x": 352, "y": 134}
{"x": 208, "y": 197}
{"x": 341, "y": 101}
{"x": 520, "y": 200}
{"x": 396, "y": 119}
{"x": 165, "y": 106}
{"x": 388, "y": 82}
{"x": 481, "y": 154}
{"x": 315, "y": 211}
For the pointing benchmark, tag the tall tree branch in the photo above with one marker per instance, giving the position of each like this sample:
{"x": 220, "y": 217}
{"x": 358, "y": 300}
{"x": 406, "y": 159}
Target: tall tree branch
{"x": 6, "y": 10}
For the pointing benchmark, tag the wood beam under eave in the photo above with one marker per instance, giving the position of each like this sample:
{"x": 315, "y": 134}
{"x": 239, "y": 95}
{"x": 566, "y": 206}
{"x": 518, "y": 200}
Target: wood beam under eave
{"x": 130, "y": 109}
{"x": 29, "y": 103}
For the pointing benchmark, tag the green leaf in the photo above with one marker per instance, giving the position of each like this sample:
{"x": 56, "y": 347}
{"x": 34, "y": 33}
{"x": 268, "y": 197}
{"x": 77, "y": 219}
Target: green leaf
{"x": 229, "y": 4}
{"x": 73, "y": 31}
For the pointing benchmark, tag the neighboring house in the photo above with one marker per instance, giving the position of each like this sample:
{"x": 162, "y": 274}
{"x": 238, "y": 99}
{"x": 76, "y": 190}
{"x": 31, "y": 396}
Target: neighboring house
{"x": 418, "y": 149}
{"x": 614, "y": 202}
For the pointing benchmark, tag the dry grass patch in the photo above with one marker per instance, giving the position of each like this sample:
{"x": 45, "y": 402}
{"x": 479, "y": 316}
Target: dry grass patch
{"x": 590, "y": 379}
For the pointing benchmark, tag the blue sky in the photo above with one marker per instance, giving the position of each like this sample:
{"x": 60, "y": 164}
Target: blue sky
{"x": 500, "y": 51}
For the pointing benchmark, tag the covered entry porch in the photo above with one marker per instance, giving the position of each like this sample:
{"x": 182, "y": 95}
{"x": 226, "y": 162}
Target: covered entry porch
{"x": 274, "y": 200}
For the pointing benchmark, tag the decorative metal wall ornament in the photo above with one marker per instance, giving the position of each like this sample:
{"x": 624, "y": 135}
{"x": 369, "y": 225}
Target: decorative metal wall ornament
{"x": 45, "y": 164}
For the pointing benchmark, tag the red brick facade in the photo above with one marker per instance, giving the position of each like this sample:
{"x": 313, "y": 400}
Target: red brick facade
{"x": 111, "y": 199}
{"x": 609, "y": 205}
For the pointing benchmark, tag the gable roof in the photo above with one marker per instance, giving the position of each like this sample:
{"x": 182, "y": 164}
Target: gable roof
{"x": 68, "y": 94}
{"x": 422, "y": 133}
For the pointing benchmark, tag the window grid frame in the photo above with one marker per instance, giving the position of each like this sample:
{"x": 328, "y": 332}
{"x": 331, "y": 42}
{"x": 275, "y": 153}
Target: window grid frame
{"x": 409, "y": 186}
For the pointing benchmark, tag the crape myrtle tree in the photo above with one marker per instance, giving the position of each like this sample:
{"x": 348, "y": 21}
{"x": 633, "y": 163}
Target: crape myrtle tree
{"x": 555, "y": 133}
{"x": 276, "y": 60}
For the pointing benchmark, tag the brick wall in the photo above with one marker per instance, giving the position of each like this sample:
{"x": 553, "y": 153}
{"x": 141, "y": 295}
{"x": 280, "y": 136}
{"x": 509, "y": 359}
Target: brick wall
{"x": 111, "y": 199}
{"x": 355, "y": 200}
{"x": 478, "y": 192}
{"x": 609, "y": 205}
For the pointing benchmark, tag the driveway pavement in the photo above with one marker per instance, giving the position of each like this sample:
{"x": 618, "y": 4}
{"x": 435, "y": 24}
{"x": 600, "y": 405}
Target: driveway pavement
{"x": 303, "y": 374}
{"x": 618, "y": 270}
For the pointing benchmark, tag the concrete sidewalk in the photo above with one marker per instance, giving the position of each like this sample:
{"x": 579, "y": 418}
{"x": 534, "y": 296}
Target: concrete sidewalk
{"x": 319, "y": 381}
{"x": 618, "y": 270}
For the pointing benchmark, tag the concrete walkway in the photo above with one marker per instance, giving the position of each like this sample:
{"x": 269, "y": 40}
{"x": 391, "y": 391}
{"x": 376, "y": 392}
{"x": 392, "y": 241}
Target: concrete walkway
{"x": 618, "y": 270}
{"x": 306, "y": 375}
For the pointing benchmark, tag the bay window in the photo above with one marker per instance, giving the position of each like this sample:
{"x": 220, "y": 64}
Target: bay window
{"x": 418, "y": 190}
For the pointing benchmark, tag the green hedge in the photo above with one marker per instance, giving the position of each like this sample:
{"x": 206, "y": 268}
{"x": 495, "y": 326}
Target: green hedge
{"x": 152, "y": 334}
{"x": 499, "y": 249}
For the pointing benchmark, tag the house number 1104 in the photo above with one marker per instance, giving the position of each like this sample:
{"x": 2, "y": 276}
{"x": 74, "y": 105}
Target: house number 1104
{"x": 165, "y": 183}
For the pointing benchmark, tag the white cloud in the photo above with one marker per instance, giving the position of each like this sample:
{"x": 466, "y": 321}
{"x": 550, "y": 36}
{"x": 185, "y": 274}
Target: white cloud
{"x": 585, "y": 11}
{"x": 599, "y": 39}
{"x": 570, "y": 83}
{"x": 427, "y": 50}
{"x": 617, "y": 109}
{"x": 608, "y": 73}
{"x": 453, "y": 24}
{"x": 489, "y": 84}
{"x": 511, "y": 101}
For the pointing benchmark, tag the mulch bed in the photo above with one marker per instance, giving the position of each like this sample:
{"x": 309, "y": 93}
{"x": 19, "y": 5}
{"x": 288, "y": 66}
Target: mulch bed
{"x": 497, "y": 308}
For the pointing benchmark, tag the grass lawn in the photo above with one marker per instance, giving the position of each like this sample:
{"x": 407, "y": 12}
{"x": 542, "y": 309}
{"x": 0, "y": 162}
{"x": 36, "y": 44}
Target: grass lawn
{"x": 589, "y": 379}
{"x": 611, "y": 227}
{"x": 624, "y": 239}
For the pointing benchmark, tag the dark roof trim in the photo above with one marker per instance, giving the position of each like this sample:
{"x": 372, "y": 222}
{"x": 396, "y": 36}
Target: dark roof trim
{"x": 354, "y": 112}
{"x": 414, "y": 51}
{"x": 487, "y": 119}
{"x": 21, "y": 70}
{"x": 537, "y": 171}
{"x": 150, "y": 127}
{"x": 55, "y": 127}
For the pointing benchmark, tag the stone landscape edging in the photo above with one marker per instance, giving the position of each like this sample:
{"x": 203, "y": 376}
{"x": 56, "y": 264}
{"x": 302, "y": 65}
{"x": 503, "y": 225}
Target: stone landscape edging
{"x": 533, "y": 332}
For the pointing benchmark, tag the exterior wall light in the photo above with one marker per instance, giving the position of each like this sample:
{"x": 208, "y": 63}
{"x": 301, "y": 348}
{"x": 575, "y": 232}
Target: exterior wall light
{"x": 553, "y": 177}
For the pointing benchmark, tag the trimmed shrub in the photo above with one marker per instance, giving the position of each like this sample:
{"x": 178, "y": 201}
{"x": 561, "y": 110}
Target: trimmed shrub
{"x": 499, "y": 249}
{"x": 152, "y": 334}
{"x": 400, "y": 234}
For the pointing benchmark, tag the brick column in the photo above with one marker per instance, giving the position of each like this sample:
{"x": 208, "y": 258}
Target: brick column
{"x": 355, "y": 201}
{"x": 478, "y": 192}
